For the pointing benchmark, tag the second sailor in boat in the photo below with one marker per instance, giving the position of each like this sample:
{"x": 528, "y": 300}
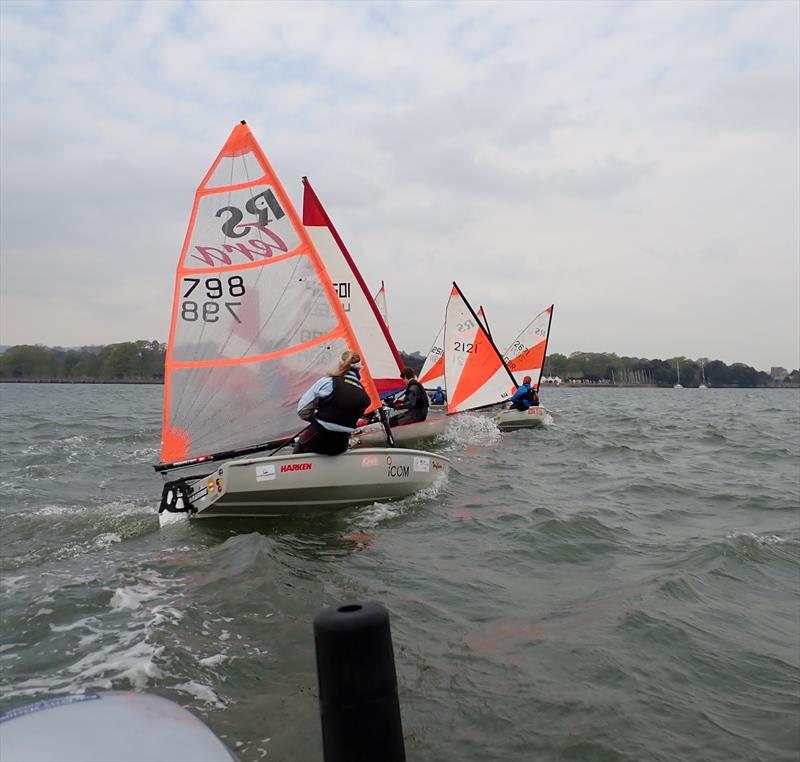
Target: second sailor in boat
{"x": 333, "y": 406}
{"x": 414, "y": 401}
{"x": 525, "y": 396}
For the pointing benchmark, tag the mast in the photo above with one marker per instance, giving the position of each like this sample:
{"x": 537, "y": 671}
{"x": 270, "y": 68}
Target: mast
{"x": 546, "y": 341}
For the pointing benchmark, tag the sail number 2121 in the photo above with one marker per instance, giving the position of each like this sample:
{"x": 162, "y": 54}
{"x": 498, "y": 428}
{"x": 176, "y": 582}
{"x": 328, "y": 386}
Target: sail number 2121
{"x": 215, "y": 290}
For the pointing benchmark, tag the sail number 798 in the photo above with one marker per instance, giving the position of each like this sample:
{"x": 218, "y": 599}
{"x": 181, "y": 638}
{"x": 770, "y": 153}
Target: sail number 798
{"x": 208, "y": 310}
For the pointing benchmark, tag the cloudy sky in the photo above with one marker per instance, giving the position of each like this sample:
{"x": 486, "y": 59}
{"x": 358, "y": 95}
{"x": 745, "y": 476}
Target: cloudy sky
{"x": 635, "y": 163}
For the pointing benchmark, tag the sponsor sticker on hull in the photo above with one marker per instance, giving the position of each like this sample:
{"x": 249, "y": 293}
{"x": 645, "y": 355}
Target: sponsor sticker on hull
{"x": 265, "y": 473}
{"x": 422, "y": 464}
{"x": 287, "y": 467}
{"x": 369, "y": 461}
{"x": 535, "y": 411}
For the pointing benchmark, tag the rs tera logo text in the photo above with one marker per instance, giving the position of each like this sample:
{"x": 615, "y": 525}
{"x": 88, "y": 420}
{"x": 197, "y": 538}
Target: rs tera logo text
{"x": 233, "y": 227}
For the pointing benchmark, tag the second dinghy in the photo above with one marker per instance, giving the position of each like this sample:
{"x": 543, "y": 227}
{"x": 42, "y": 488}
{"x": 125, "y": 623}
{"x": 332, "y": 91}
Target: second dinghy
{"x": 255, "y": 322}
{"x": 476, "y": 373}
{"x": 405, "y": 434}
{"x": 525, "y": 357}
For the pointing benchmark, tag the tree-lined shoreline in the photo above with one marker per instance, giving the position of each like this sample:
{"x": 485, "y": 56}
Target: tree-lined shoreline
{"x": 143, "y": 362}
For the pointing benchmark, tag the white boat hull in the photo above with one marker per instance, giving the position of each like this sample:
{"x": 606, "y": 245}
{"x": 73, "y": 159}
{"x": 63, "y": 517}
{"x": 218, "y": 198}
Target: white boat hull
{"x": 404, "y": 435}
{"x": 508, "y": 420}
{"x": 287, "y": 484}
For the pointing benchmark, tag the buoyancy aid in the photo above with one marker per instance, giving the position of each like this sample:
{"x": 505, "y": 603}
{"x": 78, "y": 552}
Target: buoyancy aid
{"x": 532, "y": 397}
{"x": 346, "y": 404}
{"x": 422, "y": 400}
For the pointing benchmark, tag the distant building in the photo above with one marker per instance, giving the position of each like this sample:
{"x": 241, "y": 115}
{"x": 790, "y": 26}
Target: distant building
{"x": 777, "y": 373}
{"x": 552, "y": 380}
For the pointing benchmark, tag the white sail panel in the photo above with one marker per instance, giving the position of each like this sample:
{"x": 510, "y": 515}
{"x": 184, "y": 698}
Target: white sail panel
{"x": 244, "y": 167}
{"x": 382, "y": 362}
{"x": 432, "y": 373}
{"x": 380, "y": 303}
{"x": 474, "y": 371}
{"x": 525, "y": 356}
{"x": 252, "y": 326}
{"x": 249, "y": 312}
{"x": 239, "y": 227}
{"x": 226, "y": 406}
{"x": 373, "y": 336}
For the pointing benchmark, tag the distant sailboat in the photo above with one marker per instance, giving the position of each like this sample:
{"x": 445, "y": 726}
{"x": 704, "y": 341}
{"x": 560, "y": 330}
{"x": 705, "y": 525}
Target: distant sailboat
{"x": 678, "y": 385}
{"x": 478, "y": 376}
{"x": 703, "y": 384}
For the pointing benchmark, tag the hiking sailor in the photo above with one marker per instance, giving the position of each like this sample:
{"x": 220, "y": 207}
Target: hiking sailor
{"x": 333, "y": 406}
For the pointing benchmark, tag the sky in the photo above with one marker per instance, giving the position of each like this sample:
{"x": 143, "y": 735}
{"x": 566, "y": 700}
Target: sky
{"x": 635, "y": 163}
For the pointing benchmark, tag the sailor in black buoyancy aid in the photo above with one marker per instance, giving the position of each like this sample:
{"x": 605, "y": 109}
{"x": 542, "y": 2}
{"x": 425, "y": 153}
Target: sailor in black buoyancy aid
{"x": 333, "y": 405}
{"x": 414, "y": 401}
{"x": 525, "y": 396}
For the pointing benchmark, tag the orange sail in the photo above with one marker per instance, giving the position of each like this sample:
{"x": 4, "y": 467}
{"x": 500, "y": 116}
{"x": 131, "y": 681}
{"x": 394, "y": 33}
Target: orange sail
{"x": 475, "y": 373}
{"x": 525, "y": 356}
{"x": 255, "y": 318}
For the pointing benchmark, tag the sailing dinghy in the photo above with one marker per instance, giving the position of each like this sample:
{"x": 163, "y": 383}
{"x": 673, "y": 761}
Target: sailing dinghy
{"x": 476, "y": 373}
{"x": 525, "y": 357}
{"x": 369, "y": 326}
{"x": 368, "y": 323}
{"x": 255, "y": 322}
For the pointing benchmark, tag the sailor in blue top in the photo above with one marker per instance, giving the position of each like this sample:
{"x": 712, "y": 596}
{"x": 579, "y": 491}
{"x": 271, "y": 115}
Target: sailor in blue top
{"x": 438, "y": 397}
{"x": 525, "y": 396}
{"x": 333, "y": 406}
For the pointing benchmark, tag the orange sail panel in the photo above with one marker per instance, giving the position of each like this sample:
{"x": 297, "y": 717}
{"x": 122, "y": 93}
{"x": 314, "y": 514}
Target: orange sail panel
{"x": 475, "y": 373}
{"x": 255, "y": 319}
{"x": 525, "y": 356}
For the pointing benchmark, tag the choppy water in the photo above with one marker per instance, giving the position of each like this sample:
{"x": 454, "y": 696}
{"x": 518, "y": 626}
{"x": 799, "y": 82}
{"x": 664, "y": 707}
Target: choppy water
{"x": 622, "y": 585}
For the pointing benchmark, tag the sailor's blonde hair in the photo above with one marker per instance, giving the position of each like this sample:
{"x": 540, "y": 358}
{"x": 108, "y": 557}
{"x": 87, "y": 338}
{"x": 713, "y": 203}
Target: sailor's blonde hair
{"x": 349, "y": 359}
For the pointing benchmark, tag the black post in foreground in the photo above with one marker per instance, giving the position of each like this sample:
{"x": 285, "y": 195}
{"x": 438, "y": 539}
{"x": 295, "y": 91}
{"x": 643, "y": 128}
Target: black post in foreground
{"x": 358, "y": 684}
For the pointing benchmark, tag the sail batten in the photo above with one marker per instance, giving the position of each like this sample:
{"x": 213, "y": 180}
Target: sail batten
{"x": 255, "y": 318}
